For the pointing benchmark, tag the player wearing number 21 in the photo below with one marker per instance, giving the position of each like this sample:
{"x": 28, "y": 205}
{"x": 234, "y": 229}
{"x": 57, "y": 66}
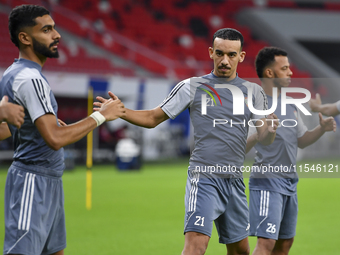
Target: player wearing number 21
{"x": 273, "y": 198}
{"x": 34, "y": 199}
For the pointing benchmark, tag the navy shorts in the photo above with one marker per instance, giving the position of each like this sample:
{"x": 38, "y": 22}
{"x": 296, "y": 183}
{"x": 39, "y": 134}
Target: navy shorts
{"x": 34, "y": 213}
{"x": 219, "y": 200}
{"x": 272, "y": 215}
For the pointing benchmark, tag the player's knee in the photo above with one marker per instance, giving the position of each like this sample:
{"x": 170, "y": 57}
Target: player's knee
{"x": 283, "y": 246}
{"x": 245, "y": 252}
{"x": 290, "y": 242}
{"x": 239, "y": 248}
{"x": 195, "y": 243}
{"x": 194, "y": 250}
{"x": 266, "y": 245}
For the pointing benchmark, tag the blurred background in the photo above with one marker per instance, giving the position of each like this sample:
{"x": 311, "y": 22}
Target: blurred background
{"x": 140, "y": 49}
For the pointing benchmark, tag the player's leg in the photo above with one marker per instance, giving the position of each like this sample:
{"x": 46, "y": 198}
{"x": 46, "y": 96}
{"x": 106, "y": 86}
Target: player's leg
{"x": 56, "y": 240}
{"x": 59, "y": 253}
{"x": 239, "y": 248}
{"x": 288, "y": 226}
{"x": 264, "y": 246}
{"x": 265, "y": 214}
{"x": 282, "y": 246}
{"x": 233, "y": 224}
{"x": 195, "y": 243}
{"x": 30, "y": 202}
{"x": 202, "y": 207}
{"x": 21, "y": 226}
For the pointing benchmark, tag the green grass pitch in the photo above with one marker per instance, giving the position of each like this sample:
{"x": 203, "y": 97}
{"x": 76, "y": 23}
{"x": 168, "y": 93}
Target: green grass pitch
{"x": 142, "y": 212}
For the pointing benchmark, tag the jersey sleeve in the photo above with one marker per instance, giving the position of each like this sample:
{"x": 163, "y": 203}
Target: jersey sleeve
{"x": 301, "y": 127}
{"x": 33, "y": 93}
{"x": 260, "y": 101}
{"x": 178, "y": 100}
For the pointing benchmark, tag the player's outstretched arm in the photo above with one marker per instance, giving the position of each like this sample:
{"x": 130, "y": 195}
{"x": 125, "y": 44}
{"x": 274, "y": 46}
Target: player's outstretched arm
{"x": 267, "y": 132}
{"x": 326, "y": 109}
{"x": 143, "y": 118}
{"x": 11, "y": 113}
{"x": 311, "y": 136}
{"x": 146, "y": 118}
{"x": 57, "y": 137}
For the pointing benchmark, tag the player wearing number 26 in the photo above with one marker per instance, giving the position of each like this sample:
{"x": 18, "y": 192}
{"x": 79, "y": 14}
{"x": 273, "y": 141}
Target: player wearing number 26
{"x": 273, "y": 204}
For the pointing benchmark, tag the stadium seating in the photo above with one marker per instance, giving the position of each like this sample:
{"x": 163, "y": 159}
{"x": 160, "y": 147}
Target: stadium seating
{"x": 168, "y": 27}
{"x": 179, "y": 31}
{"x": 72, "y": 59}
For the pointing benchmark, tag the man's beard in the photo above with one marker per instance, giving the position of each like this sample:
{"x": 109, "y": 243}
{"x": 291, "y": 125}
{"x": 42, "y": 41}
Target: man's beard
{"x": 280, "y": 82}
{"x": 45, "y": 51}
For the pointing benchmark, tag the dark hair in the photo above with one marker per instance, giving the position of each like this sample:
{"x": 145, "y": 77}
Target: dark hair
{"x": 266, "y": 57}
{"x": 23, "y": 16}
{"x": 228, "y": 34}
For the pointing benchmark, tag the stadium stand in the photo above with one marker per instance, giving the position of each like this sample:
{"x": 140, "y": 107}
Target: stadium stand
{"x": 73, "y": 58}
{"x": 168, "y": 38}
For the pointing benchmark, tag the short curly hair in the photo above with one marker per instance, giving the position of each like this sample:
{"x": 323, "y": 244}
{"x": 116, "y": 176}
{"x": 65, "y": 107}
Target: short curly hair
{"x": 23, "y": 16}
{"x": 266, "y": 57}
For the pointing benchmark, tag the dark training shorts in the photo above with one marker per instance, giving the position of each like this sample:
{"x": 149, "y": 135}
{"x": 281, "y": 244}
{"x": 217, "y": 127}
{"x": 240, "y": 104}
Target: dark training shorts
{"x": 219, "y": 200}
{"x": 34, "y": 213}
{"x": 272, "y": 215}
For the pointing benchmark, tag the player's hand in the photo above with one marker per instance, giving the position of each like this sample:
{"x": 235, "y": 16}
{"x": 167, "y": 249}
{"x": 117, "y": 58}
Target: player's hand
{"x": 327, "y": 124}
{"x": 273, "y": 124}
{"x": 113, "y": 96}
{"x": 112, "y": 109}
{"x": 100, "y": 103}
{"x": 103, "y": 100}
{"x": 11, "y": 113}
{"x": 61, "y": 123}
{"x": 314, "y": 104}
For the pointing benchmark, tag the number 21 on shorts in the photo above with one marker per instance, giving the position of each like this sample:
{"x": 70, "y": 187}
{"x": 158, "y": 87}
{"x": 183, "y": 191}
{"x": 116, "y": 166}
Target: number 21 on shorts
{"x": 199, "y": 221}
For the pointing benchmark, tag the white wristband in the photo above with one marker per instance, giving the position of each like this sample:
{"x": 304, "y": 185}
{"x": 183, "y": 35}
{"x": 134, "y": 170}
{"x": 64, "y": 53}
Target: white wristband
{"x": 98, "y": 117}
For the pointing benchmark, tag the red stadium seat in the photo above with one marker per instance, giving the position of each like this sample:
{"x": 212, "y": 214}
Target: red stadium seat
{"x": 155, "y": 24}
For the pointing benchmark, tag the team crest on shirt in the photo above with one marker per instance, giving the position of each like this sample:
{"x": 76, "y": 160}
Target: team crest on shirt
{"x": 210, "y": 94}
{"x": 246, "y": 101}
{"x": 296, "y": 115}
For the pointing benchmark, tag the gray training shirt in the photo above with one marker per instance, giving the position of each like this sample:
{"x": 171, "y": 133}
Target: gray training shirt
{"x": 282, "y": 152}
{"x": 220, "y": 136}
{"x": 25, "y": 85}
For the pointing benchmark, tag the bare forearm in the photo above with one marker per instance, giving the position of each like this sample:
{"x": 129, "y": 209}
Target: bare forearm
{"x": 145, "y": 118}
{"x": 57, "y": 137}
{"x": 74, "y": 132}
{"x": 2, "y": 114}
{"x": 328, "y": 109}
{"x": 4, "y": 131}
{"x": 310, "y": 137}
